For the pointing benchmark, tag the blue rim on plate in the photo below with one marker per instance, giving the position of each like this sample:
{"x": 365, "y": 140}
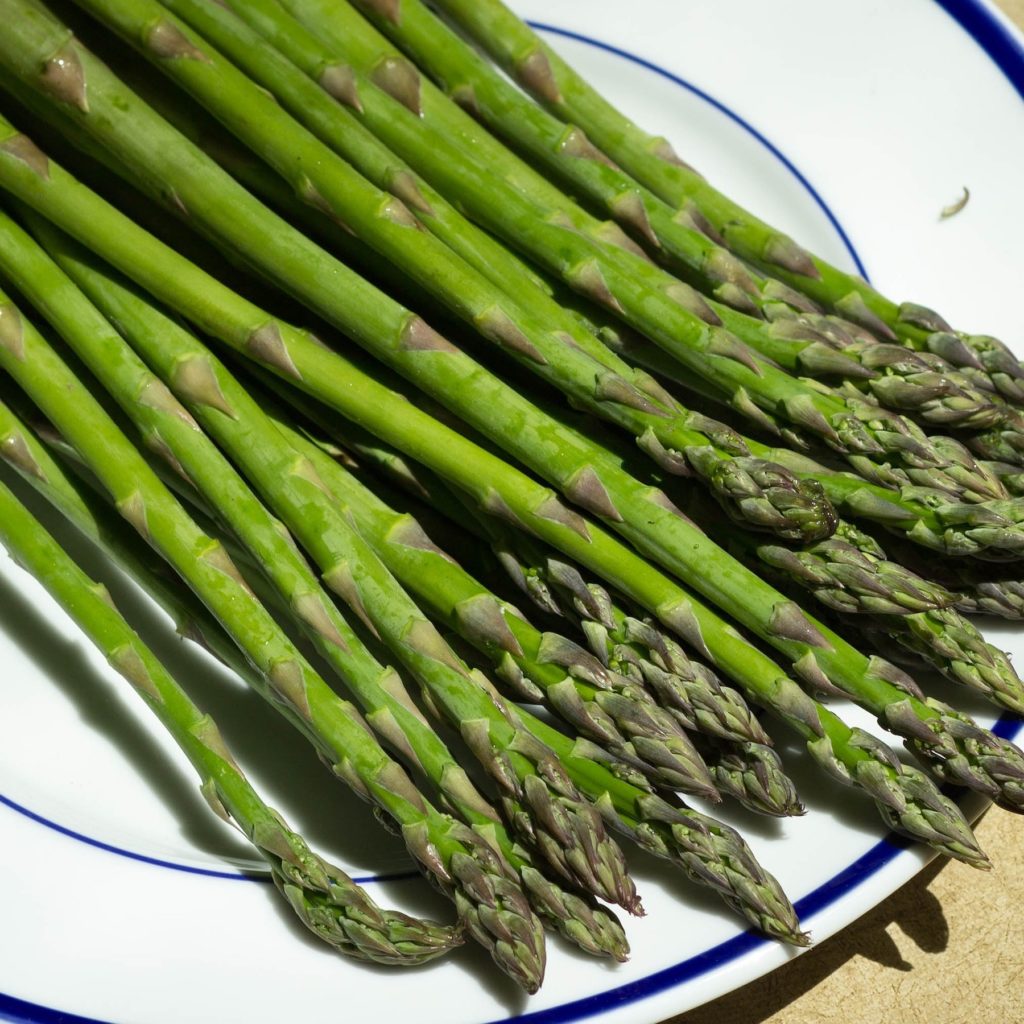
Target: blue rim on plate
{"x": 1005, "y": 49}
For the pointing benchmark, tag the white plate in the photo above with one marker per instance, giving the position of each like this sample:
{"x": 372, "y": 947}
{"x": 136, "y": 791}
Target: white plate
{"x": 851, "y": 123}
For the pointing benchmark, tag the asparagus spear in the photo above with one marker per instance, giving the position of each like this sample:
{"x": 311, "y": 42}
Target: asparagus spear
{"x": 635, "y": 649}
{"x": 326, "y": 900}
{"x": 709, "y": 853}
{"x": 939, "y": 633}
{"x": 922, "y": 514}
{"x": 953, "y": 645}
{"x": 526, "y": 324}
{"x": 744, "y": 768}
{"x": 653, "y": 162}
{"x": 980, "y": 589}
{"x": 747, "y": 770}
{"x": 677, "y": 320}
{"x": 541, "y": 802}
{"x": 483, "y": 888}
{"x": 378, "y": 689}
{"x": 581, "y": 920}
{"x": 848, "y": 573}
{"x": 1003, "y": 598}
{"x": 798, "y": 336}
{"x": 537, "y": 666}
{"x": 393, "y": 332}
{"x": 753, "y": 774}
{"x": 735, "y": 745}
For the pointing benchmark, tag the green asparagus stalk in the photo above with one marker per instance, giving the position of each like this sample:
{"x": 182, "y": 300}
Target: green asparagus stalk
{"x": 635, "y": 649}
{"x": 921, "y": 514}
{"x": 951, "y": 643}
{"x": 579, "y": 919}
{"x": 683, "y": 836}
{"x": 1002, "y": 598}
{"x": 740, "y": 762}
{"x": 326, "y": 900}
{"x": 535, "y": 665}
{"x": 981, "y": 589}
{"x": 938, "y": 632}
{"x": 745, "y": 769}
{"x": 653, "y": 162}
{"x": 798, "y": 337}
{"x": 379, "y": 689}
{"x": 528, "y": 325}
{"x": 483, "y": 888}
{"x": 709, "y": 853}
{"x": 848, "y": 573}
{"x": 334, "y": 379}
{"x": 753, "y": 774}
{"x": 523, "y": 771}
{"x": 1000, "y": 445}
{"x": 673, "y": 317}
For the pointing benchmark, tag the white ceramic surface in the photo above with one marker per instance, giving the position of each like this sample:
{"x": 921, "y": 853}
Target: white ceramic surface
{"x": 121, "y": 899}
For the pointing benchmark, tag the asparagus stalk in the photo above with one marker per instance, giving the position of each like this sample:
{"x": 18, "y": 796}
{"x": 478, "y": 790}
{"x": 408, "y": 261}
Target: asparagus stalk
{"x": 980, "y": 589}
{"x": 538, "y": 666}
{"x": 734, "y": 744}
{"x": 329, "y": 376}
{"x": 527, "y": 325}
{"x": 939, "y": 633}
{"x": 379, "y": 689}
{"x": 1002, "y": 598}
{"x": 326, "y": 900}
{"x": 848, "y": 573}
{"x": 635, "y": 649}
{"x": 709, "y": 853}
{"x": 674, "y": 317}
{"x": 922, "y": 514}
{"x": 798, "y": 336}
{"x": 653, "y": 162}
{"x": 483, "y": 888}
{"x": 742, "y": 767}
{"x": 745, "y": 769}
{"x": 539, "y": 799}
{"x": 953, "y": 645}
{"x": 753, "y": 774}
{"x": 579, "y": 919}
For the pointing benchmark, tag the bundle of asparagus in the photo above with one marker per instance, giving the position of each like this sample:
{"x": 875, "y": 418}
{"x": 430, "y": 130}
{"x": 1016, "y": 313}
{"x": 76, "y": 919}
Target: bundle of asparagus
{"x": 299, "y": 489}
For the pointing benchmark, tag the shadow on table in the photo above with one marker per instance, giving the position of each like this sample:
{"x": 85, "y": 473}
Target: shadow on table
{"x": 914, "y": 909}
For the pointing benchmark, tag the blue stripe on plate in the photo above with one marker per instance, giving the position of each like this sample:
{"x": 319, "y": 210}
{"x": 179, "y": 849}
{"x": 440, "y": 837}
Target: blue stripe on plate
{"x": 729, "y": 113}
{"x": 1005, "y": 49}
{"x": 234, "y": 876}
{"x": 1001, "y": 43}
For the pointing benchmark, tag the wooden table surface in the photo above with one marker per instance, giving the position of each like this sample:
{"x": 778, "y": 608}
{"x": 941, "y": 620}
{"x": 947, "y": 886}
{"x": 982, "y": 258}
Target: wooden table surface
{"x": 947, "y": 948}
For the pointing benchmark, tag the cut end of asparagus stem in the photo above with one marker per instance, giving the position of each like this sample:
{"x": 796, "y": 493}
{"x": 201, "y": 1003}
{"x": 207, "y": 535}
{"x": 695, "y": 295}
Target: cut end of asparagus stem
{"x": 580, "y": 919}
{"x": 489, "y": 901}
{"x": 754, "y": 775}
{"x": 715, "y": 855}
